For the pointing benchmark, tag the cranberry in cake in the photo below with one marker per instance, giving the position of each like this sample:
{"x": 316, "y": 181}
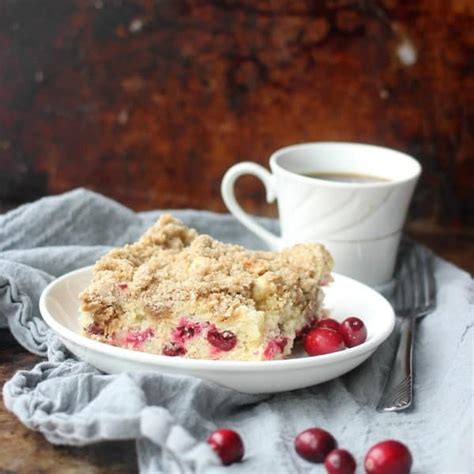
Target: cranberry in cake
{"x": 177, "y": 293}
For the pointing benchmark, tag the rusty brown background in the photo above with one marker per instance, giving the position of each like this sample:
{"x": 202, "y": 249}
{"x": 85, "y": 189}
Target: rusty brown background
{"x": 150, "y": 102}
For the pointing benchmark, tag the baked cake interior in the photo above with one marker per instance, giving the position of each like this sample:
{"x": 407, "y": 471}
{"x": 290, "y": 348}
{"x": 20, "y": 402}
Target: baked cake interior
{"x": 178, "y": 293}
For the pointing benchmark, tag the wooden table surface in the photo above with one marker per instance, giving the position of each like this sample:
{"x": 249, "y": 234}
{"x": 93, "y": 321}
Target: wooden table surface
{"x": 29, "y": 452}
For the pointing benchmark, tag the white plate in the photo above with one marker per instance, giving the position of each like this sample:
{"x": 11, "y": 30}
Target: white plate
{"x": 59, "y": 305}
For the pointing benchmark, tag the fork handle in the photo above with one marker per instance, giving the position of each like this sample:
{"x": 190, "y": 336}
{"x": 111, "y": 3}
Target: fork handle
{"x": 398, "y": 390}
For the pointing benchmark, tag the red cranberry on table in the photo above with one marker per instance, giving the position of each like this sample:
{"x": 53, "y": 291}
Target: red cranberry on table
{"x": 353, "y": 331}
{"x": 388, "y": 457}
{"x": 314, "y": 444}
{"x": 328, "y": 323}
{"x": 340, "y": 461}
{"x": 321, "y": 341}
{"x": 227, "y": 444}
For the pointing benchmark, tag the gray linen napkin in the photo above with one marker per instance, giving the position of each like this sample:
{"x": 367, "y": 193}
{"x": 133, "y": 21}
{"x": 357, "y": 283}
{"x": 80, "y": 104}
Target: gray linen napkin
{"x": 170, "y": 416}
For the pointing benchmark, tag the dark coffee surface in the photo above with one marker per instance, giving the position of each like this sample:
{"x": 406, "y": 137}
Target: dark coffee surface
{"x": 347, "y": 177}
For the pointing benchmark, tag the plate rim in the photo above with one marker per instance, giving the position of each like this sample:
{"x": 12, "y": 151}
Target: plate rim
{"x": 208, "y": 364}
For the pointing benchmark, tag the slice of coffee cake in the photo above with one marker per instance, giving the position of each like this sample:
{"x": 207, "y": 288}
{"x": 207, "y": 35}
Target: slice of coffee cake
{"x": 178, "y": 293}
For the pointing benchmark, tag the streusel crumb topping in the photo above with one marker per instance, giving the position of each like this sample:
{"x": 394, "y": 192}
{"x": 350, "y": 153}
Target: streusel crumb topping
{"x": 171, "y": 267}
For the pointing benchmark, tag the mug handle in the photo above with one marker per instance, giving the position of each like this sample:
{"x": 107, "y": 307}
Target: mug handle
{"x": 227, "y": 191}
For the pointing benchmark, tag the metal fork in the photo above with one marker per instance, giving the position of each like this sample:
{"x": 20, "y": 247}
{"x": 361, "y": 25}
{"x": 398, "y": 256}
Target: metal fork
{"x": 415, "y": 297}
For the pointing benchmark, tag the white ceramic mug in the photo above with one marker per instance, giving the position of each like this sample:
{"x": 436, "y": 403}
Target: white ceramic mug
{"x": 359, "y": 223}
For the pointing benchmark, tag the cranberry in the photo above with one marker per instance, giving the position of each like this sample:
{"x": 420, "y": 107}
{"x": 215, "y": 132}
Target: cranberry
{"x": 172, "y": 350}
{"x": 122, "y": 286}
{"x": 227, "y": 444}
{"x": 340, "y": 461}
{"x": 328, "y": 323}
{"x": 353, "y": 331}
{"x": 95, "y": 330}
{"x": 185, "y": 330}
{"x": 275, "y": 346}
{"x": 281, "y": 342}
{"x": 223, "y": 340}
{"x": 136, "y": 337}
{"x": 314, "y": 444}
{"x": 388, "y": 457}
{"x": 322, "y": 341}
